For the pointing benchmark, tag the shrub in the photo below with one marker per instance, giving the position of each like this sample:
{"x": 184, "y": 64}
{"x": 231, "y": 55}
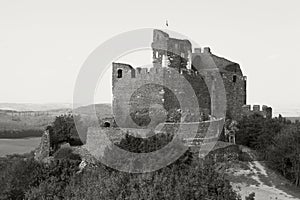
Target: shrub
{"x": 66, "y": 153}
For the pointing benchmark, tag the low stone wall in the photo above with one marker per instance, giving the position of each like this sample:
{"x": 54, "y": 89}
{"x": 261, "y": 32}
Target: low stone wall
{"x": 99, "y": 138}
{"x": 43, "y": 150}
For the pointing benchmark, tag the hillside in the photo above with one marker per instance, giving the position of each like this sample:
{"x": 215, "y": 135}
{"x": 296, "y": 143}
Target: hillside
{"x": 102, "y": 110}
{"x": 16, "y": 123}
{"x": 20, "y": 120}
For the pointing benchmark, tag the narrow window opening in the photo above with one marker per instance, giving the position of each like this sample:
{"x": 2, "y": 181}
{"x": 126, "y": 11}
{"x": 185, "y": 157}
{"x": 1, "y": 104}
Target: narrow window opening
{"x": 119, "y": 73}
{"x": 234, "y": 78}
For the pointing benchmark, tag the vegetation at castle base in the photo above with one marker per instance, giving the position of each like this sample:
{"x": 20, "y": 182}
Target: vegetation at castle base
{"x": 64, "y": 129}
{"x": 21, "y": 175}
{"x": 276, "y": 140}
{"x": 188, "y": 178}
{"x": 24, "y": 178}
{"x": 174, "y": 182}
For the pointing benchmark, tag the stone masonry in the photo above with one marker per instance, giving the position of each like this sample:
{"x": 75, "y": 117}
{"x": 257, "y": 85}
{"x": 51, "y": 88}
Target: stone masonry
{"x": 175, "y": 64}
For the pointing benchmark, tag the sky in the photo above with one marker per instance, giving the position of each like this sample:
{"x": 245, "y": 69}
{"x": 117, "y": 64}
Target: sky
{"x": 43, "y": 44}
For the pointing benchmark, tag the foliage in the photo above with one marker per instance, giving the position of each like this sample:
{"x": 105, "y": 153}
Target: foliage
{"x": 55, "y": 178}
{"x": 193, "y": 181}
{"x": 188, "y": 178}
{"x": 258, "y": 132}
{"x": 284, "y": 154}
{"x": 64, "y": 129}
{"x": 22, "y": 174}
{"x": 127, "y": 161}
{"x": 276, "y": 140}
{"x": 66, "y": 153}
{"x": 17, "y": 176}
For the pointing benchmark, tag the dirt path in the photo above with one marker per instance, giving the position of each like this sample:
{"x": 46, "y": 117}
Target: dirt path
{"x": 262, "y": 181}
{"x": 262, "y": 190}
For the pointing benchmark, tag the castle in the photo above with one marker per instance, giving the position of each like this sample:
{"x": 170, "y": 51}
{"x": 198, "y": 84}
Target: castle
{"x": 144, "y": 98}
{"x": 175, "y": 64}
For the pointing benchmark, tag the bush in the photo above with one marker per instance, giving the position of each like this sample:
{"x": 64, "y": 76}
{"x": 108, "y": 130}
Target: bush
{"x": 63, "y": 129}
{"x": 245, "y": 157}
{"x": 66, "y": 153}
{"x": 17, "y": 176}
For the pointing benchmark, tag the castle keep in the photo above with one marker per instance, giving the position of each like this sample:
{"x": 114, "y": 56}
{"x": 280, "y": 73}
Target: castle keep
{"x": 158, "y": 90}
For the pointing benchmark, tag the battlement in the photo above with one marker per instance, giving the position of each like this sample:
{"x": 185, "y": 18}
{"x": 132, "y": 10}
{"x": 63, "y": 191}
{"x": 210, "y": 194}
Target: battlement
{"x": 265, "y": 111}
{"x": 205, "y": 50}
{"x": 121, "y": 71}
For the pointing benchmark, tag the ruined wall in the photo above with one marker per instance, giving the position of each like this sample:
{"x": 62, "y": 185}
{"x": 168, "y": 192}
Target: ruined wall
{"x": 98, "y": 138}
{"x": 171, "y": 52}
{"x": 43, "y": 150}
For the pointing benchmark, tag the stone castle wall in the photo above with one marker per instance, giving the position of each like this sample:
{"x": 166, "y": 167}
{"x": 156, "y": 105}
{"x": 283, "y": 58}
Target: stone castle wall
{"x": 170, "y": 84}
{"x": 146, "y": 86}
{"x": 265, "y": 111}
{"x": 43, "y": 150}
{"x": 98, "y": 138}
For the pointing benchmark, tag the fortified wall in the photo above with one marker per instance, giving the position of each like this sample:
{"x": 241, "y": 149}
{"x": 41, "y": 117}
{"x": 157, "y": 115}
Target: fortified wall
{"x": 265, "y": 111}
{"x": 175, "y": 72}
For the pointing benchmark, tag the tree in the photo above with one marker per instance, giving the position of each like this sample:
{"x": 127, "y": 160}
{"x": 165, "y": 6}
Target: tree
{"x": 258, "y": 132}
{"x": 284, "y": 153}
{"x": 64, "y": 129}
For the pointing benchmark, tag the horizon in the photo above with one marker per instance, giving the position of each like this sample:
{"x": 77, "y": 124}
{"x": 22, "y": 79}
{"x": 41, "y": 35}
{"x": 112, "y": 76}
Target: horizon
{"x": 285, "y": 112}
{"x": 40, "y": 39}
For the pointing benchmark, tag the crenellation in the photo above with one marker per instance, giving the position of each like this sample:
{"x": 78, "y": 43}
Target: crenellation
{"x": 206, "y": 50}
{"x": 256, "y": 108}
{"x": 144, "y": 71}
{"x": 263, "y": 110}
{"x": 246, "y": 108}
{"x": 197, "y": 50}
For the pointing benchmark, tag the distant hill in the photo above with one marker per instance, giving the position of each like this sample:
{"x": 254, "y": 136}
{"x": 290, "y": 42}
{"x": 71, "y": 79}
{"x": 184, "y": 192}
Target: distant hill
{"x": 33, "y": 106}
{"x": 28, "y": 120}
{"x": 17, "y": 119}
{"x": 102, "y": 110}
{"x": 87, "y": 116}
